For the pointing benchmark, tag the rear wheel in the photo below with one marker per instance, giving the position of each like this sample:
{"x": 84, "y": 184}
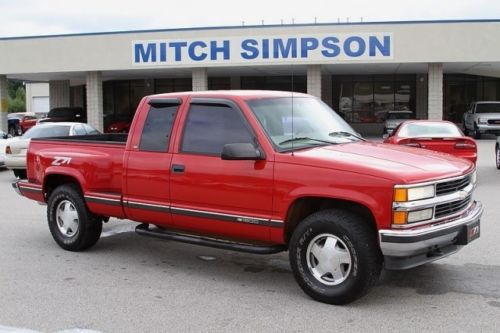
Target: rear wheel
{"x": 72, "y": 225}
{"x": 20, "y": 173}
{"x": 497, "y": 156}
{"x": 335, "y": 257}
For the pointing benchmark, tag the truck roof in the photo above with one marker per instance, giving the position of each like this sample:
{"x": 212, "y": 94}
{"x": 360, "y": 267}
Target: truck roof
{"x": 244, "y": 94}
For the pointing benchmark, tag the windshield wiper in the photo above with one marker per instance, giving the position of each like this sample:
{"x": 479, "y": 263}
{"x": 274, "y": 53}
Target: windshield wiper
{"x": 346, "y": 134}
{"x": 302, "y": 138}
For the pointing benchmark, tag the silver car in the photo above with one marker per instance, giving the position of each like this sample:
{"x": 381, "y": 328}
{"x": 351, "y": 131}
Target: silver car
{"x": 394, "y": 118}
{"x": 482, "y": 118}
{"x": 16, "y": 148}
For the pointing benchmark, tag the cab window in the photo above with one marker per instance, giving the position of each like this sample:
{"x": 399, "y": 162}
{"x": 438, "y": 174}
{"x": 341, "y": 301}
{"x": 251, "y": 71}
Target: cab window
{"x": 158, "y": 128}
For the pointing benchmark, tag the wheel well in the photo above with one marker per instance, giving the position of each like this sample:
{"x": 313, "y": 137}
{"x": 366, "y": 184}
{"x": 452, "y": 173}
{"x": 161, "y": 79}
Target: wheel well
{"x": 304, "y": 207}
{"x": 53, "y": 181}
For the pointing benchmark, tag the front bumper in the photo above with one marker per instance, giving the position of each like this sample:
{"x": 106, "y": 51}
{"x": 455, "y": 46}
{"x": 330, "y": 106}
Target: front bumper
{"x": 488, "y": 129}
{"x": 403, "y": 249}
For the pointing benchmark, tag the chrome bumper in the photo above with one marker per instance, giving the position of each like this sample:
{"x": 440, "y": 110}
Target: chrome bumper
{"x": 405, "y": 249}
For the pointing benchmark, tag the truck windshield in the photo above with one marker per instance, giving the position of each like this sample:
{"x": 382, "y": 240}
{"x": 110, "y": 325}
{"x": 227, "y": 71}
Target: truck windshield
{"x": 488, "y": 108}
{"x": 313, "y": 123}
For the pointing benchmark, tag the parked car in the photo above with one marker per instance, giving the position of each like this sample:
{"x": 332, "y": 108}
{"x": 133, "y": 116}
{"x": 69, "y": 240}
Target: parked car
{"x": 15, "y": 148}
{"x": 225, "y": 169}
{"x": 118, "y": 127}
{"x": 17, "y": 120}
{"x": 442, "y": 136}
{"x": 3, "y": 140}
{"x": 482, "y": 118}
{"x": 394, "y": 118}
{"x": 66, "y": 114}
{"x": 497, "y": 152}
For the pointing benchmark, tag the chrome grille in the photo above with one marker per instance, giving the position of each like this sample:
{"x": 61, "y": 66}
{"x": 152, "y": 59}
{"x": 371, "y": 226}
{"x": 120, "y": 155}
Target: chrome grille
{"x": 452, "y": 186}
{"x": 450, "y": 208}
{"x": 494, "y": 121}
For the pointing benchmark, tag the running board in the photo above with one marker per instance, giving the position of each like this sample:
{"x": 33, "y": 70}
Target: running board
{"x": 143, "y": 229}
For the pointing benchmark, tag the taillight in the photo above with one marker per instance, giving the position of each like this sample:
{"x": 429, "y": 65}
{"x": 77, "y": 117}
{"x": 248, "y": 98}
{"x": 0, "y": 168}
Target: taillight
{"x": 465, "y": 145}
{"x": 7, "y": 150}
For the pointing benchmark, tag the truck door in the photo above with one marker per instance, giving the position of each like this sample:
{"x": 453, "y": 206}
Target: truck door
{"x": 146, "y": 182}
{"x": 215, "y": 196}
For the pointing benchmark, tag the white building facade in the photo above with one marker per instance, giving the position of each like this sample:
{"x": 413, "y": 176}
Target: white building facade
{"x": 362, "y": 70}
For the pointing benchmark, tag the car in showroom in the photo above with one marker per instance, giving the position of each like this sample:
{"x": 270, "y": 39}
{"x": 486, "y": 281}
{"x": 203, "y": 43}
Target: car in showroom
{"x": 16, "y": 148}
{"x": 441, "y": 136}
{"x": 394, "y": 118}
{"x": 482, "y": 118}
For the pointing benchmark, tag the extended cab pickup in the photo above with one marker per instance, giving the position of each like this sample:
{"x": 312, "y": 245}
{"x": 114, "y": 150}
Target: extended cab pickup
{"x": 260, "y": 172}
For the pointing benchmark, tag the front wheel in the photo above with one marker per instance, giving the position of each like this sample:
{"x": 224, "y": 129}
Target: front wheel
{"x": 497, "y": 156}
{"x": 476, "y": 133}
{"x": 335, "y": 257}
{"x": 72, "y": 225}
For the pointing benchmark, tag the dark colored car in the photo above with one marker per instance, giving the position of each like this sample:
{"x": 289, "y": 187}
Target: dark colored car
{"x": 67, "y": 114}
{"x": 118, "y": 127}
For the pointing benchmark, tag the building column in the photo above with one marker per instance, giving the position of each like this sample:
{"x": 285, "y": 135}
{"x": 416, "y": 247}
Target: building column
{"x": 59, "y": 93}
{"x": 314, "y": 80}
{"x": 94, "y": 100}
{"x": 3, "y": 103}
{"x": 435, "y": 92}
{"x": 200, "y": 79}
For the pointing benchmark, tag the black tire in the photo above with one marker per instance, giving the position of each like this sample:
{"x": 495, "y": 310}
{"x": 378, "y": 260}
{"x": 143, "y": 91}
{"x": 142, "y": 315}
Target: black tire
{"x": 12, "y": 131}
{"x": 20, "y": 173}
{"x": 497, "y": 156}
{"x": 89, "y": 226}
{"x": 358, "y": 239}
{"x": 476, "y": 133}
{"x": 466, "y": 132}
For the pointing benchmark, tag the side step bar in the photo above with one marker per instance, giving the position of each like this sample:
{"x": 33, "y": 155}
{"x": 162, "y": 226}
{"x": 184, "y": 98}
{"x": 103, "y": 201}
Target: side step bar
{"x": 143, "y": 229}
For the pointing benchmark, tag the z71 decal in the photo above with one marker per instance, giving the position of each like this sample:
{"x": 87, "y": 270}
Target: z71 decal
{"x": 61, "y": 160}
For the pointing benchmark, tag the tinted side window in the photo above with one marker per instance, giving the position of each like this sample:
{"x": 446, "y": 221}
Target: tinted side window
{"x": 209, "y": 127}
{"x": 157, "y": 129}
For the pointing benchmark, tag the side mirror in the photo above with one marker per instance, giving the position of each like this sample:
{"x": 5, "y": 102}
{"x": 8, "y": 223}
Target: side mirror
{"x": 241, "y": 151}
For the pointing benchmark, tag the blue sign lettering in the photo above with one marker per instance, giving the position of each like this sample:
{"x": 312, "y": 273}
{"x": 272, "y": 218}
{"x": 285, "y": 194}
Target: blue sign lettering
{"x": 314, "y": 47}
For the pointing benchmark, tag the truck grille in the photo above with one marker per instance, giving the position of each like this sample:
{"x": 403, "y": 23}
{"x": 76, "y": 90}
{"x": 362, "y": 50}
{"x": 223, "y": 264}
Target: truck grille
{"x": 494, "y": 121}
{"x": 452, "y": 186}
{"x": 450, "y": 208}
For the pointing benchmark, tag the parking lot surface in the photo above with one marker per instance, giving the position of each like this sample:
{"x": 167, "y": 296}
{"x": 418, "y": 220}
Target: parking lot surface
{"x": 128, "y": 283}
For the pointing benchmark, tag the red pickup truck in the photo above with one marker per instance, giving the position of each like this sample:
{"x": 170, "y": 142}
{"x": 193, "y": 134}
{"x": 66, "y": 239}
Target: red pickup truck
{"x": 260, "y": 172}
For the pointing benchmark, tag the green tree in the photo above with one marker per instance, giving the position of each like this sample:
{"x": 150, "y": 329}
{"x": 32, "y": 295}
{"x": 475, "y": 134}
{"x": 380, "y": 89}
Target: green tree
{"x": 16, "y": 96}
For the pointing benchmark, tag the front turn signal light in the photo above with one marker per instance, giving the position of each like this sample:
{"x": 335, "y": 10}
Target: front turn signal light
{"x": 400, "y": 194}
{"x": 399, "y": 218}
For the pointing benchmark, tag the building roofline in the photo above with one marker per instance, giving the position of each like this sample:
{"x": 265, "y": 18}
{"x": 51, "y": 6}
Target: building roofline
{"x": 119, "y": 32}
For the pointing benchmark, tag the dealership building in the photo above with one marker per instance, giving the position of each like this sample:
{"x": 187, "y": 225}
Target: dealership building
{"x": 363, "y": 70}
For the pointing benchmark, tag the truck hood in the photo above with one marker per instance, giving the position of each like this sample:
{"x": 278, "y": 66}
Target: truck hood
{"x": 398, "y": 163}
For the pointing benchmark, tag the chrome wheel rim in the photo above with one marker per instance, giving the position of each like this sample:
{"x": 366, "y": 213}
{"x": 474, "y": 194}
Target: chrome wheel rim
{"x": 67, "y": 218}
{"x": 329, "y": 259}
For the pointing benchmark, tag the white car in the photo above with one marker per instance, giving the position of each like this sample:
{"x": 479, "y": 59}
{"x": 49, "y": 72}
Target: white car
{"x": 16, "y": 148}
{"x": 482, "y": 118}
{"x": 3, "y": 140}
{"x": 394, "y": 118}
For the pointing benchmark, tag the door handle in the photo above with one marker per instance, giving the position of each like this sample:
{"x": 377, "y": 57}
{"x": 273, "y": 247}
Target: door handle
{"x": 178, "y": 168}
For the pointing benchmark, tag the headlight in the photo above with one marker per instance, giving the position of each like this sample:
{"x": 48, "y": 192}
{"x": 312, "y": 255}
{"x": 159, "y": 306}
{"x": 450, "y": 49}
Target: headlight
{"x": 482, "y": 121}
{"x": 414, "y": 193}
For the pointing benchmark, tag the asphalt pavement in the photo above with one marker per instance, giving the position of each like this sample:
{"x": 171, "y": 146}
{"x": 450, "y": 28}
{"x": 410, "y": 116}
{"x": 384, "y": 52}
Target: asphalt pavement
{"x": 129, "y": 283}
